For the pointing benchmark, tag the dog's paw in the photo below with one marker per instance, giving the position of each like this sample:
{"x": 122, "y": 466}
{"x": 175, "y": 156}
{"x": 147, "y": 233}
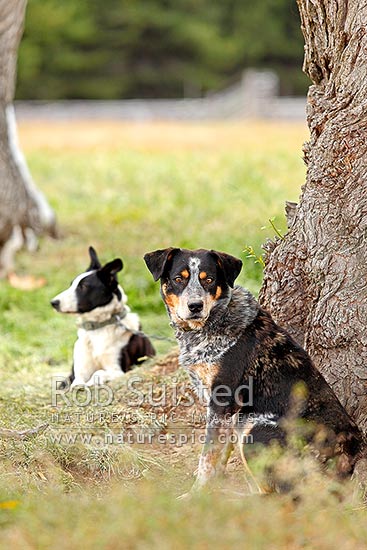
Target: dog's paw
{"x": 196, "y": 489}
{"x": 98, "y": 378}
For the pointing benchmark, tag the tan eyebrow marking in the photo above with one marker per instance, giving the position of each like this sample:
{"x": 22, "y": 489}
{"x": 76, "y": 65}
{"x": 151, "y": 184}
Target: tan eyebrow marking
{"x": 218, "y": 293}
{"x": 203, "y": 275}
{"x": 185, "y": 274}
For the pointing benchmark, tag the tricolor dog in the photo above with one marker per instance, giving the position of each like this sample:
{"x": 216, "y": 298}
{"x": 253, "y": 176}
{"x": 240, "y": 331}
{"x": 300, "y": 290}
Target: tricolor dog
{"x": 255, "y": 375}
{"x": 109, "y": 338}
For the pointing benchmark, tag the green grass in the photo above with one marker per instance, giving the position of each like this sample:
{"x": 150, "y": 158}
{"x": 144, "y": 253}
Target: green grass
{"x": 147, "y": 518}
{"x": 127, "y": 201}
{"x": 127, "y": 191}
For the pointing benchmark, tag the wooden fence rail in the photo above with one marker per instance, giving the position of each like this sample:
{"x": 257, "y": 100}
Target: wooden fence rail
{"x": 255, "y": 96}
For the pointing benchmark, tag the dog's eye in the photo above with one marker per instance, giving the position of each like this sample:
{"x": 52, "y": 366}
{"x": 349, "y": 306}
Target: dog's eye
{"x": 178, "y": 279}
{"x": 209, "y": 280}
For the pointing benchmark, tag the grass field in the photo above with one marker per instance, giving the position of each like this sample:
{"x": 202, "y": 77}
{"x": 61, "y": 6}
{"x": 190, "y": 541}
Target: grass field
{"x": 128, "y": 189}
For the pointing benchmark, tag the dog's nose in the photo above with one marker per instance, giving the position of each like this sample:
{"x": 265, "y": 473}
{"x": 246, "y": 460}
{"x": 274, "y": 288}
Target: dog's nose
{"x": 196, "y": 307}
{"x": 55, "y": 304}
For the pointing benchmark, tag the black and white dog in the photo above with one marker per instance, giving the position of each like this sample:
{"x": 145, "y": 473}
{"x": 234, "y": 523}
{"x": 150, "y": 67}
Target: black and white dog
{"x": 109, "y": 338}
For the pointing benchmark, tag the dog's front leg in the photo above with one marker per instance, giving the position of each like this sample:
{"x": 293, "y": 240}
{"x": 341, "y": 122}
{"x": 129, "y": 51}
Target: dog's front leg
{"x": 217, "y": 448}
{"x": 109, "y": 367}
{"x": 84, "y": 365}
{"x": 102, "y": 376}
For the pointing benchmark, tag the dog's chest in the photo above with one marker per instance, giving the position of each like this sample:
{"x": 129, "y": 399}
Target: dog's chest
{"x": 203, "y": 376}
{"x": 201, "y": 356}
{"x": 103, "y": 342}
{"x": 197, "y": 347}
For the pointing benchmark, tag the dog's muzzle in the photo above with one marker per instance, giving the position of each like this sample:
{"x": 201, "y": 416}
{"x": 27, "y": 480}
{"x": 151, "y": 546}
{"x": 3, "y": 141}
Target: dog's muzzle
{"x": 55, "y": 304}
{"x": 195, "y": 307}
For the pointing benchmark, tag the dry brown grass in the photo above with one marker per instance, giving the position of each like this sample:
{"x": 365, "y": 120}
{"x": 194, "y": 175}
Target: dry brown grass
{"x": 162, "y": 136}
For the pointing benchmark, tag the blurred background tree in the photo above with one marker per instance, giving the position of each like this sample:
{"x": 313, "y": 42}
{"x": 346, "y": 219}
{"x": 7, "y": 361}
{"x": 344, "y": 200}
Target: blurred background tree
{"x": 24, "y": 211}
{"x": 155, "y": 48}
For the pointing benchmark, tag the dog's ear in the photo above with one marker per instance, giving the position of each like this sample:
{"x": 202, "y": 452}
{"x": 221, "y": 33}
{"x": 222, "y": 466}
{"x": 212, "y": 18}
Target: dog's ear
{"x": 156, "y": 261}
{"x": 94, "y": 261}
{"x": 230, "y": 266}
{"x": 108, "y": 272}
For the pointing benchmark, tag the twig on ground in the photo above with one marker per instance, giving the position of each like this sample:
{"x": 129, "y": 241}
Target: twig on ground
{"x": 25, "y": 434}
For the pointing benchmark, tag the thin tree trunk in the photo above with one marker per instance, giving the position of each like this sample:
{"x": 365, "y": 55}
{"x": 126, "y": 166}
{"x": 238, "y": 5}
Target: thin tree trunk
{"x": 23, "y": 209}
{"x": 316, "y": 279}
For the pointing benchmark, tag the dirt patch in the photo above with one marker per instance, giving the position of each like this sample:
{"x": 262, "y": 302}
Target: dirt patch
{"x": 167, "y": 364}
{"x": 154, "y": 427}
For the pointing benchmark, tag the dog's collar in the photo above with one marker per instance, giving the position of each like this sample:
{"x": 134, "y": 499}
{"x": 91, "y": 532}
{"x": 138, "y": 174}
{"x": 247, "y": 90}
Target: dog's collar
{"x": 94, "y": 325}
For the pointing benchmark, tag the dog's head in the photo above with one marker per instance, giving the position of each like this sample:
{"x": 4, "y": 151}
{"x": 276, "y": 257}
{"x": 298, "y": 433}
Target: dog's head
{"x": 193, "y": 282}
{"x": 94, "y": 288}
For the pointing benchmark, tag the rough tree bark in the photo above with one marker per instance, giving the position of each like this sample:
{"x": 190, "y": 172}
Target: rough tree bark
{"x": 24, "y": 212}
{"x": 316, "y": 279}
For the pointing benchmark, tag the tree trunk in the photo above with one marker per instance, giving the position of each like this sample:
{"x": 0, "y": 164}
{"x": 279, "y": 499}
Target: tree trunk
{"x": 23, "y": 209}
{"x": 316, "y": 278}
